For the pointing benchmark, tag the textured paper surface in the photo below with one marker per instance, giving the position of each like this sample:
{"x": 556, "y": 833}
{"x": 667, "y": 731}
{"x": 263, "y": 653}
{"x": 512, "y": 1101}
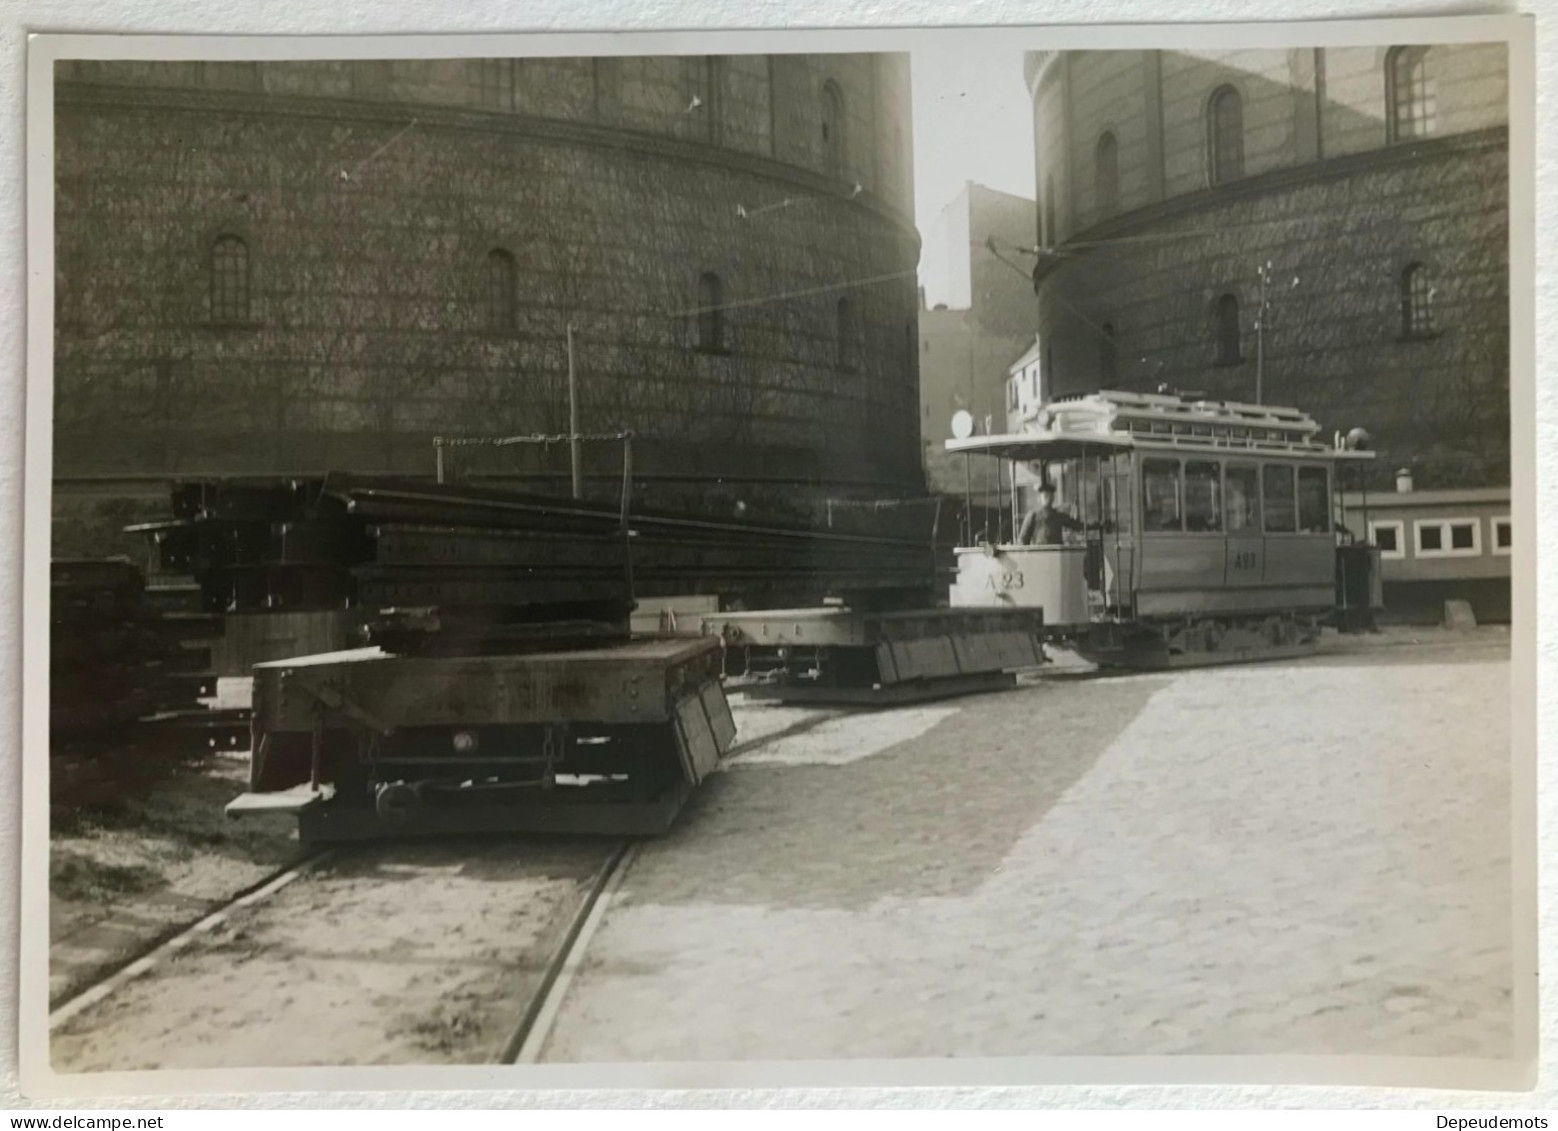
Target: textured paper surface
{"x": 297, "y": 17}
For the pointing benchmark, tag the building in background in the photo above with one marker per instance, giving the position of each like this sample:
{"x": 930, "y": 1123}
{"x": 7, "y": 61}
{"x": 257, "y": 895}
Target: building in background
{"x": 1026, "y": 388}
{"x": 978, "y": 314}
{"x": 271, "y": 268}
{"x": 1373, "y": 181}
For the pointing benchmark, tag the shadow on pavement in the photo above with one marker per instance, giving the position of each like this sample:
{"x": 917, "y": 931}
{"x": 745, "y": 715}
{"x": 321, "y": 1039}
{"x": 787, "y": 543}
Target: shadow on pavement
{"x": 929, "y": 817}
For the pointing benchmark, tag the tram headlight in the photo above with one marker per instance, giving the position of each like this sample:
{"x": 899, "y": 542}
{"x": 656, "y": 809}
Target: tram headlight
{"x": 464, "y": 741}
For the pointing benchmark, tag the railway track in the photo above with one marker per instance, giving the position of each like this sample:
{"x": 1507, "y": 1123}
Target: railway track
{"x": 523, "y": 1041}
{"x": 525, "y": 1044}
{"x": 148, "y": 957}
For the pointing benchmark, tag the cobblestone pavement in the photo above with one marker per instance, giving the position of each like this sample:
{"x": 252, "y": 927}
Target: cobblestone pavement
{"x": 1305, "y": 858}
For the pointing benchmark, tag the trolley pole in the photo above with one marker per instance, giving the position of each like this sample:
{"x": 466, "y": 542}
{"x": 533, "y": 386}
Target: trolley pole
{"x": 573, "y": 421}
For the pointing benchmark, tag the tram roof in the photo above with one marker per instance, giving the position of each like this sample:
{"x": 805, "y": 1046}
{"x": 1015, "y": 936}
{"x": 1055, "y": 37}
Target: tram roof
{"x": 1104, "y": 422}
{"x": 1041, "y": 445}
{"x": 1026, "y": 446}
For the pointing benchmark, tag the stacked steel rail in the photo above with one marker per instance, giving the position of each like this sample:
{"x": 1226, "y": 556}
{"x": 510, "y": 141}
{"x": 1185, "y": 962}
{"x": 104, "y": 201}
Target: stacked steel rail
{"x": 505, "y": 691}
{"x": 126, "y": 682}
{"x": 500, "y": 556}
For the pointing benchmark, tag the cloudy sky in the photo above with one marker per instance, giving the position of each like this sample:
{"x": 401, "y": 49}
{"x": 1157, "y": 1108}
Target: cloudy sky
{"x": 972, "y": 122}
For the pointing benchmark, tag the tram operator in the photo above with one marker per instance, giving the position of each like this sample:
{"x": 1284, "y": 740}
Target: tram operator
{"x": 1045, "y": 525}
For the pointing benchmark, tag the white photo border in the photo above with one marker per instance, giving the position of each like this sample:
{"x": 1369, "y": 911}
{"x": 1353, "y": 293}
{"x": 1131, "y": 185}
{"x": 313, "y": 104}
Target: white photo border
{"x": 38, "y": 1079}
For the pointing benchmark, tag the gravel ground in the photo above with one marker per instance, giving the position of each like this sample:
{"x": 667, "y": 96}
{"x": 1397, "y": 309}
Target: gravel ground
{"x": 1302, "y": 858}
{"x": 407, "y": 954}
{"x": 119, "y": 881}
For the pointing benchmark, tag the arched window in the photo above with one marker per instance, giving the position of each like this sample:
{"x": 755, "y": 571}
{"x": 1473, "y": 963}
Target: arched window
{"x": 1051, "y": 234}
{"x": 229, "y": 280}
{"x": 711, "y": 316}
{"x": 493, "y": 83}
{"x": 1409, "y": 93}
{"x": 1417, "y": 301}
{"x": 1225, "y": 136}
{"x": 501, "y": 279}
{"x": 832, "y": 129}
{"x": 1225, "y": 313}
{"x": 1107, "y": 172}
{"x": 714, "y": 98}
{"x": 845, "y": 341}
{"x": 1107, "y": 354}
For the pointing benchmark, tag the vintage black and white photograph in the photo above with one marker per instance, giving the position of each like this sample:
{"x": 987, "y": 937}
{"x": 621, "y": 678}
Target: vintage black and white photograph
{"x": 942, "y": 551}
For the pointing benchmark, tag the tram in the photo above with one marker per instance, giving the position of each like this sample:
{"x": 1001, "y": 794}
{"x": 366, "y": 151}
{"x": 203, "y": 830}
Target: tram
{"x": 1183, "y": 531}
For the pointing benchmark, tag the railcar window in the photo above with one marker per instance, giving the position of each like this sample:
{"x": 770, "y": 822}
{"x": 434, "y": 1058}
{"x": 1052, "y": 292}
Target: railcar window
{"x": 1448, "y": 538}
{"x": 1243, "y": 499}
{"x": 1160, "y": 494}
{"x": 1503, "y": 536}
{"x": 1314, "y": 499}
{"x": 1278, "y": 500}
{"x": 1203, "y": 496}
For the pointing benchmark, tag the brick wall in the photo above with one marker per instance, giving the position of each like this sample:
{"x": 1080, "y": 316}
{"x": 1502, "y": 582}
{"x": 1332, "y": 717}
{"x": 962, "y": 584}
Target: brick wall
{"x": 1326, "y": 200}
{"x": 368, "y": 329}
{"x": 1334, "y": 344}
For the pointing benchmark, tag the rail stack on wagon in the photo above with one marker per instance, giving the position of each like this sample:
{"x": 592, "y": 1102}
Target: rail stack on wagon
{"x": 497, "y": 684}
{"x": 127, "y": 680}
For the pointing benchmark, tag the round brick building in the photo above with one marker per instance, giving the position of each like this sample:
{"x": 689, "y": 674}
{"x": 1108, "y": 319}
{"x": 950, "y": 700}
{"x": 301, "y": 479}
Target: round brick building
{"x": 282, "y": 267}
{"x": 1368, "y": 185}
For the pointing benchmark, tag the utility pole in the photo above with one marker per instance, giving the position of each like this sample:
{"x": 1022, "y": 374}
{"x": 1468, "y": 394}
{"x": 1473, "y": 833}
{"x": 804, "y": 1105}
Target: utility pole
{"x": 1260, "y": 333}
{"x": 573, "y": 421}
{"x": 1264, "y": 312}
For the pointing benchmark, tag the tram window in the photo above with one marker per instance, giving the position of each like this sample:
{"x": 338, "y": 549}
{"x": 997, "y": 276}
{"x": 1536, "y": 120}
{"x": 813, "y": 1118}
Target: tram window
{"x": 1243, "y": 498}
{"x": 1503, "y": 536}
{"x": 1314, "y": 496}
{"x": 1160, "y": 494}
{"x": 1278, "y": 501}
{"x": 1463, "y": 536}
{"x": 1203, "y": 496}
{"x": 1117, "y": 497}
